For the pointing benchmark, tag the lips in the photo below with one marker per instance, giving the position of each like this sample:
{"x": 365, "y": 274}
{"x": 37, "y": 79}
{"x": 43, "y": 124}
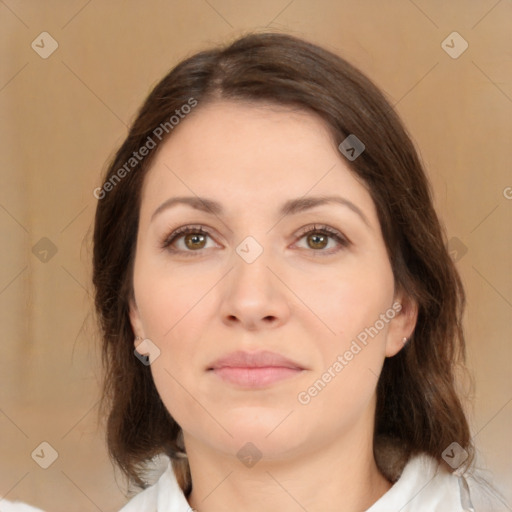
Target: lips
{"x": 254, "y": 369}
{"x": 262, "y": 359}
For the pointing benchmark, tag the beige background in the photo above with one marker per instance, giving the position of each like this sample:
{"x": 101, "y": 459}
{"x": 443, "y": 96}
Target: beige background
{"x": 63, "y": 116}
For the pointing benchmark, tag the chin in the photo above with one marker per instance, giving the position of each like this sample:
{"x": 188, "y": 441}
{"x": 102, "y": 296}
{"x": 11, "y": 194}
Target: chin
{"x": 265, "y": 429}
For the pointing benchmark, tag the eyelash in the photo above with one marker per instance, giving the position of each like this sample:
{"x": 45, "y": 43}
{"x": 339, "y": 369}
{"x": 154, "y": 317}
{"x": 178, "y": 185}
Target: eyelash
{"x": 324, "y": 230}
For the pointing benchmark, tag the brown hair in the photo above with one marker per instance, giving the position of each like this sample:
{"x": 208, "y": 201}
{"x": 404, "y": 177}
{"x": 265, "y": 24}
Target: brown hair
{"x": 417, "y": 403}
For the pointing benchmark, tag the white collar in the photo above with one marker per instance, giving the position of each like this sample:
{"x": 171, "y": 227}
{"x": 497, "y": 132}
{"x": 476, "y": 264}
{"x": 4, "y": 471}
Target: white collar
{"x": 423, "y": 486}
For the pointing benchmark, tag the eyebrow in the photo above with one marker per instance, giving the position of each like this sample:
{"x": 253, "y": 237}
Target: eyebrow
{"x": 290, "y": 207}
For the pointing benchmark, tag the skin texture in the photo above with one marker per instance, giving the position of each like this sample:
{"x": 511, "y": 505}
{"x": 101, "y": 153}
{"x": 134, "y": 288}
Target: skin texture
{"x": 304, "y": 297}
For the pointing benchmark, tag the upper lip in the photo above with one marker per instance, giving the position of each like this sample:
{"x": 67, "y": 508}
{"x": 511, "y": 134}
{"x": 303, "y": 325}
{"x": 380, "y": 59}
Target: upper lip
{"x": 261, "y": 359}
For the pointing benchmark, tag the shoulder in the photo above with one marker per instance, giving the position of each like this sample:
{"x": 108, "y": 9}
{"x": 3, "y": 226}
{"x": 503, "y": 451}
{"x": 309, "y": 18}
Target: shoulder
{"x": 426, "y": 486}
{"x": 163, "y": 496}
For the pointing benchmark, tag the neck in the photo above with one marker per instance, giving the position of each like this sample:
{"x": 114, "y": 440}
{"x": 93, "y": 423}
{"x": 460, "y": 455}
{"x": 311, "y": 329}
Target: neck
{"x": 341, "y": 476}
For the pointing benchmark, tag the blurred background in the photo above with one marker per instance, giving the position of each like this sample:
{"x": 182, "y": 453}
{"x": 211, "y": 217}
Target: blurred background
{"x": 72, "y": 75}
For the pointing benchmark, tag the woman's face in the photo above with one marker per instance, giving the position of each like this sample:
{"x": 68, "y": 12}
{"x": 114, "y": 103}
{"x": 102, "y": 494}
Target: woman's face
{"x": 250, "y": 277}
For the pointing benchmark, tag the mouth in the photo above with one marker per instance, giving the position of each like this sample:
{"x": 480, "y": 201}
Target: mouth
{"x": 255, "y": 377}
{"x": 254, "y": 369}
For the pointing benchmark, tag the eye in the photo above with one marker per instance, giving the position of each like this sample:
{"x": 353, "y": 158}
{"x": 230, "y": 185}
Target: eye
{"x": 318, "y": 238}
{"x": 187, "y": 239}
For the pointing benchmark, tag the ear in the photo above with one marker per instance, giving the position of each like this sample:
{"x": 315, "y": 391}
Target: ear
{"x": 136, "y": 321}
{"x": 402, "y": 326}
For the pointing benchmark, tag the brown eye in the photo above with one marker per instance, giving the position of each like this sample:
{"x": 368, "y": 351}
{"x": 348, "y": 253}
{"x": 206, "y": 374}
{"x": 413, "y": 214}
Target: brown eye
{"x": 187, "y": 240}
{"x": 317, "y": 239}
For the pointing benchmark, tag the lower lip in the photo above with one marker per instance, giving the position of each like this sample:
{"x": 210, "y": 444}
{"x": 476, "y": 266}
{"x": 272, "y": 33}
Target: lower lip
{"x": 255, "y": 377}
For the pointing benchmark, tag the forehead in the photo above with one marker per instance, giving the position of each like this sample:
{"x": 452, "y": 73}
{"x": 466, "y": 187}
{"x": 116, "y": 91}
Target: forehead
{"x": 253, "y": 154}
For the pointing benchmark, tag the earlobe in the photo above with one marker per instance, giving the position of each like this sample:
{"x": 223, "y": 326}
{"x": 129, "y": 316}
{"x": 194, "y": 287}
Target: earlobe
{"x": 137, "y": 343}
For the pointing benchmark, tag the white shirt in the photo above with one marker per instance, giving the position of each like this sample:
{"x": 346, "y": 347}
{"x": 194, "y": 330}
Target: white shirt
{"x": 423, "y": 486}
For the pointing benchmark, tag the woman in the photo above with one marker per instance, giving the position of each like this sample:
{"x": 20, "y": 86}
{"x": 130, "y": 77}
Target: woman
{"x": 280, "y": 315}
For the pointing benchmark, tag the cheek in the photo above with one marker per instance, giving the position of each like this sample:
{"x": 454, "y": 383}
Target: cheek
{"x": 349, "y": 297}
{"x": 352, "y": 358}
{"x": 167, "y": 298}
{"x": 351, "y": 303}
{"x": 172, "y": 325}
{"x": 173, "y": 307}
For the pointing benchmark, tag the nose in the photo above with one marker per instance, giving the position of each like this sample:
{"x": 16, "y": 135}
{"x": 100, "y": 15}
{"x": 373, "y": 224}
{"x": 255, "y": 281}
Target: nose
{"x": 254, "y": 297}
